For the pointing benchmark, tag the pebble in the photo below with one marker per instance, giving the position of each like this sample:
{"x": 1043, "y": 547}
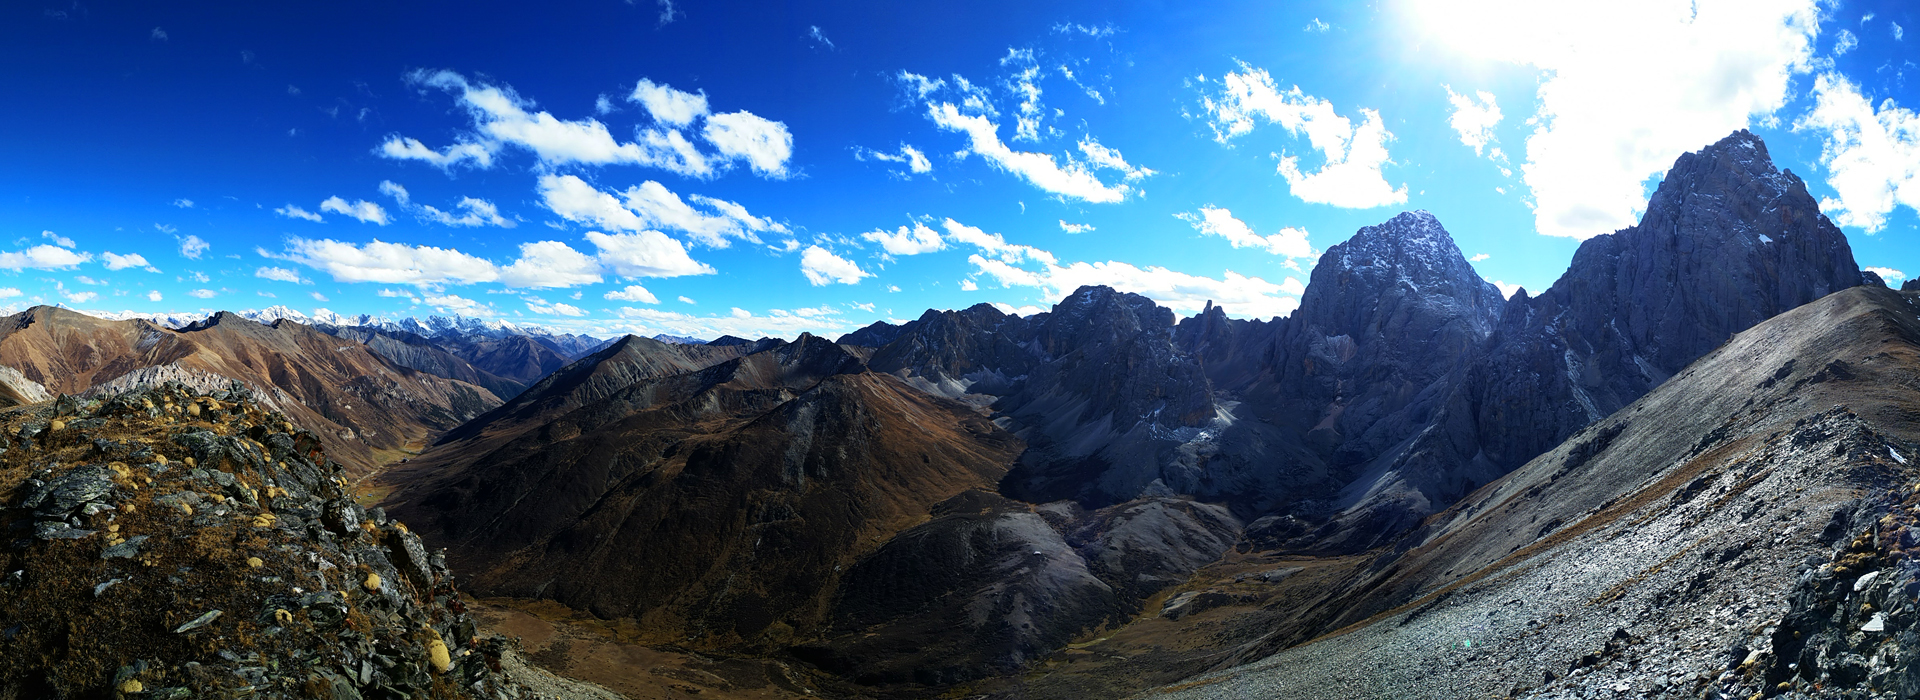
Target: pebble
{"x": 198, "y": 622}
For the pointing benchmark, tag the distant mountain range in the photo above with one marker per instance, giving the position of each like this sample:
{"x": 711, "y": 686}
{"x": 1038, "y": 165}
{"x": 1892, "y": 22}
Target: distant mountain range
{"x": 1483, "y": 495}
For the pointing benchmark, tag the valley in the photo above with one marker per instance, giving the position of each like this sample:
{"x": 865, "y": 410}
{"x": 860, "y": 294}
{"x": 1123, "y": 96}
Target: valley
{"x": 1679, "y": 471}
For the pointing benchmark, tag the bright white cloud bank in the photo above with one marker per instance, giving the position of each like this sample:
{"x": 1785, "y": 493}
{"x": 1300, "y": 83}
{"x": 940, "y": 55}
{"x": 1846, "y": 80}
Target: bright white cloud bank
{"x": 822, "y": 267}
{"x": 1352, "y": 155}
{"x": 1628, "y": 86}
{"x": 502, "y": 118}
{"x": 1872, "y": 155}
{"x": 651, "y": 205}
{"x": 1289, "y": 243}
{"x": 1013, "y": 265}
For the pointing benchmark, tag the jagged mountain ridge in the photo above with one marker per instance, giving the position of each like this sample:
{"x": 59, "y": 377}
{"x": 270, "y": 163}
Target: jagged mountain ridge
{"x": 365, "y": 408}
{"x": 1336, "y": 430}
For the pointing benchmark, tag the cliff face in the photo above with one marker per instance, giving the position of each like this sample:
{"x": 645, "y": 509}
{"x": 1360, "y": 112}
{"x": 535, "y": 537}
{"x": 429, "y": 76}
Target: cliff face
{"x": 1727, "y": 241}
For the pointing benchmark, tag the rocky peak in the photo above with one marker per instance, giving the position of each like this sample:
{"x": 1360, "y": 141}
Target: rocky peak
{"x": 1100, "y": 314}
{"x": 1411, "y": 255}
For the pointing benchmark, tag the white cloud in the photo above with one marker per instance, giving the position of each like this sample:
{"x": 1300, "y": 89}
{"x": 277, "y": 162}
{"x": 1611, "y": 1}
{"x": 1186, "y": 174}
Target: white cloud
{"x": 1628, "y": 86}
{"x": 651, "y": 205}
{"x": 905, "y": 241}
{"x": 199, "y": 276}
{"x": 667, "y": 105}
{"x": 686, "y": 300}
{"x": 78, "y": 297}
{"x": 1843, "y": 42}
{"x": 993, "y": 244}
{"x": 183, "y": 203}
{"x": 540, "y": 306}
{"x": 1887, "y": 273}
{"x": 365, "y": 211}
{"x": 157, "y": 34}
{"x": 1872, "y": 155}
{"x": 968, "y": 286}
{"x": 1290, "y": 242}
{"x": 1478, "y": 257}
{"x": 549, "y": 264}
{"x": 1024, "y": 84}
{"x": 477, "y": 212}
{"x": 57, "y": 239}
{"x": 154, "y": 295}
{"x": 1473, "y": 120}
{"x": 1506, "y": 290}
{"x": 644, "y": 254}
{"x": 1240, "y": 295}
{"x": 1899, "y": 34}
{"x": 399, "y": 294}
{"x": 637, "y": 293}
{"x": 454, "y": 304}
{"x": 1316, "y": 27}
{"x": 822, "y": 268}
{"x": 1354, "y": 155}
{"x": 280, "y": 274}
{"x": 163, "y": 228}
{"x": 115, "y": 261}
{"x": 403, "y": 148}
{"x": 1103, "y": 157}
{"x": 820, "y": 37}
{"x": 43, "y": 257}
{"x": 1073, "y": 180}
{"x": 765, "y": 144}
{"x": 909, "y": 156}
{"x": 292, "y": 212}
{"x": 501, "y": 118}
{"x": 203, "y": 294}
{"x": 192, "y": 247}
{"x": 739, "y": 322}
{"x": 390, "y": 263}
{"x": 318, "y": 296}
{"x": 1075, "y": 228}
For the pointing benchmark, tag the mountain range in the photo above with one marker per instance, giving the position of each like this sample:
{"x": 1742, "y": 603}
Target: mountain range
{"x": 1411, "y": 485}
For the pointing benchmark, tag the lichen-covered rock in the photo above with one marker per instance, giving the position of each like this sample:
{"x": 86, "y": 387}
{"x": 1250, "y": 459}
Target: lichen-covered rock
{"x": 155, "y": 580}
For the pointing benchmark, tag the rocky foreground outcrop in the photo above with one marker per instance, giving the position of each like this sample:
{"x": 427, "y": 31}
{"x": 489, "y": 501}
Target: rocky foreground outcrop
{"x": 166, "y": 543}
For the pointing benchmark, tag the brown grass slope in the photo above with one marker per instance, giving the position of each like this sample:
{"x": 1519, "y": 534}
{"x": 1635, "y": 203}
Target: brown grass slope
{"x": 718, "y": 506}
{"x": 365, "y": 408}
{"x": 1622, "y": 541}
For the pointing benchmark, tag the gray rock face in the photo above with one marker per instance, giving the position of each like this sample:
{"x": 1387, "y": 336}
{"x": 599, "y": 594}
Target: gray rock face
{"x": 1727, "y": 241}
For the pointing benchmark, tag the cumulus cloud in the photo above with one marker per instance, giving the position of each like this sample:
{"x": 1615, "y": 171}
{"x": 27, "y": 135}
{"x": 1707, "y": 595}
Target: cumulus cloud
{"x": 390, "y": 263}
{"x": 667, "y": 105}
{"x": 474, "y": 212}
{"x": 645, "y": 254}
{"x": 993, "y": 244}
{"x": 191, "y": 247}
{"x": 822, "y": 268}
{"x": 907, "y": 241}
{"x": 1626, "y": 87}
{"x": 1290, "y": 243}
{"x": 57, "y": 239}
{"x": 115, "y": 261}
{"x": 1887, "y": 273}
{"x": 1351, "y": 175}
{"x": 1073, "y": 180}
{"x": 1075, "y": 228}
{"x": 1478, "y": 257}
{"x": 502, "y": 118}
{"x": 909, "y": 156}
{"x": 651, "y": 205}
{"x": 154, "y": 295}
{"x": 1872, "y": 154}
{"x": 43, "y": 257}
{"x": 459, "y": 305}
{"x": 365, "y": 211}
{"x": 636, "y": 293}
{"x": 540, "y": 306}
{"x": 292, "y": 212}
{"x": 739, "y": 322}
{"x": 1473, "y": 119}
{"x": 550, "y": 264}
{"x": 764, "y": 144}
{"x": 280, "y": 274}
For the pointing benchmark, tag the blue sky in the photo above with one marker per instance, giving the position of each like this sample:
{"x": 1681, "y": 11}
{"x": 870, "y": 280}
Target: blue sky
{"x": 749, "y": 168}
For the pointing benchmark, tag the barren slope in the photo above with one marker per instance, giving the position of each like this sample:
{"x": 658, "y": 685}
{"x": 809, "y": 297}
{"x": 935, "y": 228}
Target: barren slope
{"x": 1640, "y": 554}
